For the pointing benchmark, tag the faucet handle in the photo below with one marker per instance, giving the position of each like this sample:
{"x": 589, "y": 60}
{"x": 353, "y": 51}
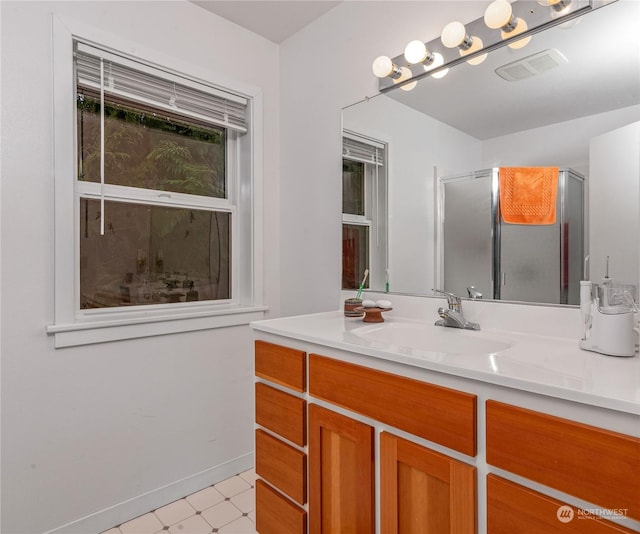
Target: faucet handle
{"x": 455, "y": 303}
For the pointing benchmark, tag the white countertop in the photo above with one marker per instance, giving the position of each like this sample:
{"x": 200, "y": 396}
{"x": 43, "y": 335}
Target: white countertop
{"x": 548, "y": 365}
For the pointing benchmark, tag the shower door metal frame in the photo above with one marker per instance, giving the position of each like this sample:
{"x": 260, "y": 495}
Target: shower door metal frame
{"x": 498, "y": 277}
{"x": 496, "y": 234}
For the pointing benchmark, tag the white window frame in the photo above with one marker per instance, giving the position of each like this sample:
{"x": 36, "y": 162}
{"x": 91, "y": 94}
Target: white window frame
{"x": 73, "y": 326}
{"x": 375, "y": 210}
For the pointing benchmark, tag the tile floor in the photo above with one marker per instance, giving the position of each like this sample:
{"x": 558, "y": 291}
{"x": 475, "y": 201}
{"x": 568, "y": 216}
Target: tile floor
{"x": 227, "y": 507}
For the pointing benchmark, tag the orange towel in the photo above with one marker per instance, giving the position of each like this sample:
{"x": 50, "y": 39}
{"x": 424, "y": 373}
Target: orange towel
{"x": 528, "y": 194}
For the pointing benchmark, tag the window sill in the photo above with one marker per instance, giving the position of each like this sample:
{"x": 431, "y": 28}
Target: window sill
{"x": 104, "y": 331}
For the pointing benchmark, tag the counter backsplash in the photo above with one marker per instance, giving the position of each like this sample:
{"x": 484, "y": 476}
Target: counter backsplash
{"x": 556, "y": 321}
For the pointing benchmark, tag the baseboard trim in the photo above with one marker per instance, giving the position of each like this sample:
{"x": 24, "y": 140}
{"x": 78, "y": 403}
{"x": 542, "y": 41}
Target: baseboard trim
{"x": 154, "y": 499}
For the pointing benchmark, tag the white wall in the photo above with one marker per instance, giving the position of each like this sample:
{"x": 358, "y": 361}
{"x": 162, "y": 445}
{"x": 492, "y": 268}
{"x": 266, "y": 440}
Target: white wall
{"x": 615, "y": 172}
{"x": 417, "y": 143}
{"x": 565, "y": 144}
{"x": 324, "y": 68}
{"x": 132, "y": 424}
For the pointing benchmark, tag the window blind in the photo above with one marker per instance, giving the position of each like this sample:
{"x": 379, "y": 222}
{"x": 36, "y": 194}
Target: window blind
{"x": 127, "y": 78}
{"x": 362, "y": 151}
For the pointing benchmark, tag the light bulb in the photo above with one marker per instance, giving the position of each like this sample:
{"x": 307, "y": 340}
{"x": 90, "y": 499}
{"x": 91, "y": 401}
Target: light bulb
{"x": 438, "y": 61}
{"x": 476, "y": 44}
{"x": 409, "y": 86}
{"x": 556, "y": 5}
{"x": 382, "y": 66}
{"x": 405, "y": 74}
{"x": 415, "y": 52}
{"x": 454, "y": 35}
{"x": 498, "y": 14}
{"x": 521, "y": 27}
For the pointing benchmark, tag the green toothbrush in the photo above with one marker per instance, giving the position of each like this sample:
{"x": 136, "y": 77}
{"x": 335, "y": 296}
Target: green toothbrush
{"x": 359, "y": 294}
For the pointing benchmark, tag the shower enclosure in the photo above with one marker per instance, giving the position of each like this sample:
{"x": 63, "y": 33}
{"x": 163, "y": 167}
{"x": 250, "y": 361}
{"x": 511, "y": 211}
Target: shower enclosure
{"x": 519, "y": 262}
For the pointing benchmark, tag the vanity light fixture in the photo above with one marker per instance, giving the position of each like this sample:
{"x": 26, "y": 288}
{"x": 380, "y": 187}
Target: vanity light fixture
{"x": 499, "y": 15}
{"x": 517, "y": 20}
{"x": 454, "y": 35}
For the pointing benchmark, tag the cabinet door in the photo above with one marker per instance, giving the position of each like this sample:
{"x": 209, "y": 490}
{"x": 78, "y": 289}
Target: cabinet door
{"x": 424, "y": 492}
{"x": 341, "y": 487}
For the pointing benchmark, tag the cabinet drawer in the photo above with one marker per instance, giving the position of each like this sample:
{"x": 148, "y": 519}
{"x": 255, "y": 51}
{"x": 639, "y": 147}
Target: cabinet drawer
{"x": 593, "y": 464}
{"x": 282, "y": 465}
{"x": 275, "y": 514}
{"x": 439, "y": 414}
{"x": 281, "y": 365}
{"x": 281, "y": 413}
{"x": 512, "y": 508}
{"x": 423, "y": 490}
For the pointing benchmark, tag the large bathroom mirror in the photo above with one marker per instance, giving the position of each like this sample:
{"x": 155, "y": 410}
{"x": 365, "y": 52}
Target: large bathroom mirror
{"x": 581, "y": 112}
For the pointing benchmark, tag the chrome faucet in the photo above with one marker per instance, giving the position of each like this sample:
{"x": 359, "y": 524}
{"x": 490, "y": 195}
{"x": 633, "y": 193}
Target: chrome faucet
{"x": 474, "y": 293}
{"x": 452, "y": 316}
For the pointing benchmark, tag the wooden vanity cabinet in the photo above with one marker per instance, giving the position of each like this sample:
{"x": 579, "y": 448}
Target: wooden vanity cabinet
{"x": 514, "y": 509}
{"x": 280, "y": 459}
{"x": 282, "y": 465}
{"x": 442, "y": 415}
{"x": 281, "y": 365}
{"x": 423, "y": 491}
{"x": 318, "y": 442}
{"x": 590, "y": 463}
{"x": 341, "y": 479}
{"x": 275, "y": 514}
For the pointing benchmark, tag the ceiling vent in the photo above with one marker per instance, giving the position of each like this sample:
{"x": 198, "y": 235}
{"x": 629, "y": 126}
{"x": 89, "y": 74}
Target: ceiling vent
{"x": 530, "y": 66}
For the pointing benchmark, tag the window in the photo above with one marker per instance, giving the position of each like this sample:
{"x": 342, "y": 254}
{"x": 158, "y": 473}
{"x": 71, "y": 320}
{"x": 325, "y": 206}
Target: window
{"x": 364, "y": 208}
{"x": 161, "y": 192}
{"x": 156, "y": 213}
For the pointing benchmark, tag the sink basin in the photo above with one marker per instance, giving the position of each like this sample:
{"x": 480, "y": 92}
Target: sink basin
{"x": 431, "y": 338}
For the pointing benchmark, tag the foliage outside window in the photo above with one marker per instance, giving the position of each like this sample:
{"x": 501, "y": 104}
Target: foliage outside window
{"x": 146, "y": 148}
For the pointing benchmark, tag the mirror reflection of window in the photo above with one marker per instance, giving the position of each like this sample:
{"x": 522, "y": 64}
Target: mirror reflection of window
{"x": 352, "y": 187}
{"x": 364, "y": 212}
{"x": 355, "y": 255}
